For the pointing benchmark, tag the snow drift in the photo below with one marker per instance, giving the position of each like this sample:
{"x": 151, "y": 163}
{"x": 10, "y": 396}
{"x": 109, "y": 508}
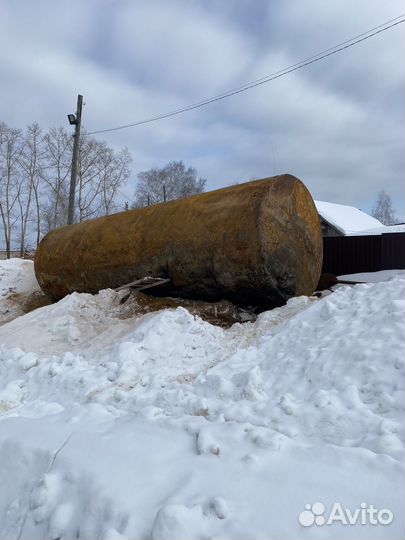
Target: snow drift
{"x": 164, "y": 426}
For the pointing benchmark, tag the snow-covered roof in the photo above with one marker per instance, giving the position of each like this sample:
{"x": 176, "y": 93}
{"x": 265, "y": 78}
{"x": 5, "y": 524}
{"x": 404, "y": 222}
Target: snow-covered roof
{"x": 347, "y": 219}
{"x": 383, "y": 229}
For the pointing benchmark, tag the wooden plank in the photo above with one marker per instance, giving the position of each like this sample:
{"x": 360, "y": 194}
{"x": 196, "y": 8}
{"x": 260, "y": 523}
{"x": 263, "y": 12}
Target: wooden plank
{"x": 144, "y": 283}
{"x": 156, "y": 284}
{"x": 131, "y": 284}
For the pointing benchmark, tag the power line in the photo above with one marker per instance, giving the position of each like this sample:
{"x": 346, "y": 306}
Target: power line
{"x": 123, "y": 194}
{"x": 276, "y": 75}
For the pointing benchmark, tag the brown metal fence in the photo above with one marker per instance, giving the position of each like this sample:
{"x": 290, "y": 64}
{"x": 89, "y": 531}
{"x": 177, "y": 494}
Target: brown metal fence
{"x": 354, "y": 254}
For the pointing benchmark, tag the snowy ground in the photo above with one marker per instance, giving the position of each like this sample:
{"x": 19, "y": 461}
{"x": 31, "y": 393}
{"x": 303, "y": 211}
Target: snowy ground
{"x": 166, "y": 427}
{"x": 18, "y": 287}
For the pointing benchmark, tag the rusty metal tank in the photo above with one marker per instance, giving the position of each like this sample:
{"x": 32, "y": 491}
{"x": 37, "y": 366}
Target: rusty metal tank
{"x": 257, "y": 243}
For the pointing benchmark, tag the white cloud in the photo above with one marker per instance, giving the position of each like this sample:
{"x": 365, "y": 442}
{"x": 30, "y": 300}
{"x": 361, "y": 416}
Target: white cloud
{"x": 338, "y": 124}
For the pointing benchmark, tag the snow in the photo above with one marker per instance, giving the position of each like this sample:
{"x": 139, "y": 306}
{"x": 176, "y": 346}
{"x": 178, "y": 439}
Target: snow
{"x": 17, "y": 279}
{"x": 163, "y": 426}
{"x": 347, "y": 219}
{"x": 383, "y": 229}
{"x": 373, "y": 277}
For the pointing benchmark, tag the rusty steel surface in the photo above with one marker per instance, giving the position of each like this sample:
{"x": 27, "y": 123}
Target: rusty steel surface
{"x": 257, "y": 243}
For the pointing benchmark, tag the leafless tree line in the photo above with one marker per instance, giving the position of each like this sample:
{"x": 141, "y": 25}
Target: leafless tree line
{"x": 35, "y": 177}
{"x": 173, "y": 181}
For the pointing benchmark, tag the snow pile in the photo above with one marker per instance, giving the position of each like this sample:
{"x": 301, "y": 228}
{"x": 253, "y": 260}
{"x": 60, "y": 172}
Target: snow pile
{"x": 17, "y": 283}
{"x": 347, "y": 219}
{"x": 164, "y": 426}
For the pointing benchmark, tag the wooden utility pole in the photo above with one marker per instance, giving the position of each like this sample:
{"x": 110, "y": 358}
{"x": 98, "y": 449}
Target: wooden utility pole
{"x": 75, "y": 156}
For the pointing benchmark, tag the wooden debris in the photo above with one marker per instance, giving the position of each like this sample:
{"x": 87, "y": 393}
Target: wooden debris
{"x": 144, "y": 283}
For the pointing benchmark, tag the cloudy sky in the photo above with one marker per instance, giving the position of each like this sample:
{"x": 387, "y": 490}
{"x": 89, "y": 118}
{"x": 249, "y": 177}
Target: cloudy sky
{"x": 338, "y": 124}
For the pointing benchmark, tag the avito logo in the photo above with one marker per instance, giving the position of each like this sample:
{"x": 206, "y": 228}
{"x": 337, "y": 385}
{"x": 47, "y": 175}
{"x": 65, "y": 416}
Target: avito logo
{"x": 366, "y": 514}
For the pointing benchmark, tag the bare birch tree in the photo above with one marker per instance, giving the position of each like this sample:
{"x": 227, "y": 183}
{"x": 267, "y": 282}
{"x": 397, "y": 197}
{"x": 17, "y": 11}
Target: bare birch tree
{"x": 383, "y": 210}
{"x": 173, "y": 181}
{"x": 55, "y": 175}
{"x": 10, "y": 185}
{"x": 115, "y": 172}
{"x": 101, "y": 171}
{"x": 31, "y": 159}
